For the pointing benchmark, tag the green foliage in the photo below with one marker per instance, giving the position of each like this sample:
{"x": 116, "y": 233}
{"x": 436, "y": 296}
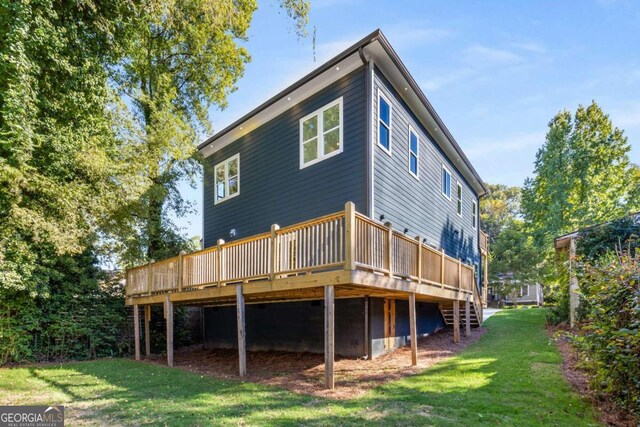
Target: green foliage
{"x": 79, "y": 316}
{"x": 581, "y": 175}
{"x": 498, "y": 209}
{"x": 610, "y": 342}
{"x": 597, "y": 241}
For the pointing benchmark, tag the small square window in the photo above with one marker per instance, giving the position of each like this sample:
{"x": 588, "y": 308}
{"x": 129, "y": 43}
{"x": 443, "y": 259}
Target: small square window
{"x": 227, "y": 179}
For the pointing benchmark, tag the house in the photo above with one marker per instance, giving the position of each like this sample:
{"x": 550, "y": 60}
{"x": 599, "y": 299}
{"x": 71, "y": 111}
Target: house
{"x": 524, "y": 294}
{"x": 340, "y": 216}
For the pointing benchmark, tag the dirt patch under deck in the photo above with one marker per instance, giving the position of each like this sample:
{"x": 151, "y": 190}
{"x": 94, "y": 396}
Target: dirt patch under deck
{"x": 304, "y": 372}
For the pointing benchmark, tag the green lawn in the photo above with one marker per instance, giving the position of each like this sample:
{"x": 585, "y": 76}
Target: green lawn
{"x": 510, "y": 377}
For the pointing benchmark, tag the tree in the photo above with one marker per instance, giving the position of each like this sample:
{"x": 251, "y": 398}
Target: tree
{"x": 499, "y": 208}
{"x": 515, "y": 259}
{"x": 184, "y": 58}
{"x": 62, "y": 166}
{"x": 581, "y": 175}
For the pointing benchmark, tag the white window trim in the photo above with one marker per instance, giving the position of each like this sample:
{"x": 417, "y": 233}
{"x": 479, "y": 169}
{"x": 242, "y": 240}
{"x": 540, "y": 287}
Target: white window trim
{"x": 226, "y": 180}
{"x": 474, "y": 208}
{"x": 459, "y": 198}
{"x": 382, "y": 95}
{"x": 321, "y": 132}
{"x": 417, "y": 174}
{"x": 442, "y": 183}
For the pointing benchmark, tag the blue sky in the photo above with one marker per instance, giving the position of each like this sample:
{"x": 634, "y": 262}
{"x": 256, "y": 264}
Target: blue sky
{"x": 496, "y": 71}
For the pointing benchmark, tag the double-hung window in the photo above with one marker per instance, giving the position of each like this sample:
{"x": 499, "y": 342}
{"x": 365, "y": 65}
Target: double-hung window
{"x": 414, "y": 146}
{"x": 227, "y": 174}
{"x": 459, "y": 199}
{"x": 474, "y": 214}
{"x": 321, "y": 134}
{"x": 384, "y": 123}
{"x": 446, "y": 183}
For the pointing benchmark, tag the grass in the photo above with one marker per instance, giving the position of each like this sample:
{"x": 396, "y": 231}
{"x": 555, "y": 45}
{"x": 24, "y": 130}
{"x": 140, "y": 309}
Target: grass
{"x": 512, "y": 376}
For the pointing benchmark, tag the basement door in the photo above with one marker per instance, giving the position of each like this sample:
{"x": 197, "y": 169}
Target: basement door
{"x": 389, "y": 323}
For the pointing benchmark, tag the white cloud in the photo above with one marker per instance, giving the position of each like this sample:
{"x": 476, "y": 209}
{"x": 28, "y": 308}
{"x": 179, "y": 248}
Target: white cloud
{"x": 530, "y": 47}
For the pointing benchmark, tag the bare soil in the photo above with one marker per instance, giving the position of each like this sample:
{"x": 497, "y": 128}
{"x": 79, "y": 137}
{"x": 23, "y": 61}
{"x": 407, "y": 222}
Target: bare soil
{"x": 304, "y": 372}
{"x": 610, "y": 413}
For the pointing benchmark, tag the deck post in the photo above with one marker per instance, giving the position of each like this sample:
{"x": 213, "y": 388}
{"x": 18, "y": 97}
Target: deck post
{"x": 459, "y": 273}
{"x": 329, "y": 349}
{"x": 419, "y": 266}
{"x": 242, "y": 351}
{"x": 350, "y": 236}
{"x": 181, "y": 270}
{"x": 389, "y": 248}
{"x": 136, "y": 330}
{"x": 168, "y": 313}
{"x": 147, "y": 337}
{"x": 413, "y": 326}
{"x": 220, "y": 259}
{"x": 456, "y": 321}
{"x": 442, "y": 267}
{"x": 467, "y": 318}
{"x": 274, "y": 251}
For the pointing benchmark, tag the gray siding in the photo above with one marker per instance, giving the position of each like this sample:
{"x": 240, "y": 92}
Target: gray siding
{"x": 273, "y": 188}
{"x": 418, "y": 204}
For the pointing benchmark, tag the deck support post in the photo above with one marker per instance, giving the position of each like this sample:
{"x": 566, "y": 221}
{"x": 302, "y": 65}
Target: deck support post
{"x": 413, "y": 327}
{"x": 242, "y": 351}
{"x": 136, "y": 330}
{"x": 147, "y": 337}
{"x": 467, "y": 317}
{"x": 350, "y": 236}
{"x": 329, "y": 343}
{"x": 456, "y": 321}
{"x": 220, "y": 261}
{"x": 168, "y": 314}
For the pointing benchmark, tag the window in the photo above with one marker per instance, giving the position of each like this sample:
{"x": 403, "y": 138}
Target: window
{"x": 414, "y": 143}
{"x": 321, "y": 134}
{"x": 227, "y": 175}
{"x": 524, "y": 291}
{"x": 446, "y": 183}
{"x": 474, "y": 214}
{"x": 459, "y": 200}
{"x": 384, "y": 123}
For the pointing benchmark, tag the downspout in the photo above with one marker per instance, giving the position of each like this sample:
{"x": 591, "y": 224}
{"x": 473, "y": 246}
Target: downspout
{"x": 369, "y": 132}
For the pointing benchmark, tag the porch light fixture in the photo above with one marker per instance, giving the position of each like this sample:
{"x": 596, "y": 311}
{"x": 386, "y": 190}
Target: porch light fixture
{"x": 381, "y": 217}
{"x": 406, "y": 230}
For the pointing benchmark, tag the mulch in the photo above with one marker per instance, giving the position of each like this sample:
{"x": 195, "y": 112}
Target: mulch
{"x": 304, "y": 372}
{"x": 610, "y": 413}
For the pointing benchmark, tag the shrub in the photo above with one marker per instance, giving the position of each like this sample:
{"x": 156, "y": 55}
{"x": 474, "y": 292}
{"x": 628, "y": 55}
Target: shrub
{"x": 610, "y": 336}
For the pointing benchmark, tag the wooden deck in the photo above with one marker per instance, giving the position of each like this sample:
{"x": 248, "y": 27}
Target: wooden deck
{"x": 339, "y": 255}
{"x": 345, "y": 249}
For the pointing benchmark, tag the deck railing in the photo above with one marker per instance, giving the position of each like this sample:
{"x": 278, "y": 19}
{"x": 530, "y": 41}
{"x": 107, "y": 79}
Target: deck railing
{"x": 343, "y": 240}
{"x": 484, "y": 241}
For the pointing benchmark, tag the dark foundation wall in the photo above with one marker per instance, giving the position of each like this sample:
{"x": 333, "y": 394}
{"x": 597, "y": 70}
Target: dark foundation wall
{"x": 290, "y": 326}
{"x": 428, "y": 321}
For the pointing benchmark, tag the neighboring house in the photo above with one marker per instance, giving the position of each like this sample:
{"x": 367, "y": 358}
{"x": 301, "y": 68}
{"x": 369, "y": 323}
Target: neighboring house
{"x": 376, "y": 206}
{"x": 529, "y": 294}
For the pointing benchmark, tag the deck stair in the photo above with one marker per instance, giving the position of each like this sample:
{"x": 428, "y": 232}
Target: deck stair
{"x": 446, "y": 309}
